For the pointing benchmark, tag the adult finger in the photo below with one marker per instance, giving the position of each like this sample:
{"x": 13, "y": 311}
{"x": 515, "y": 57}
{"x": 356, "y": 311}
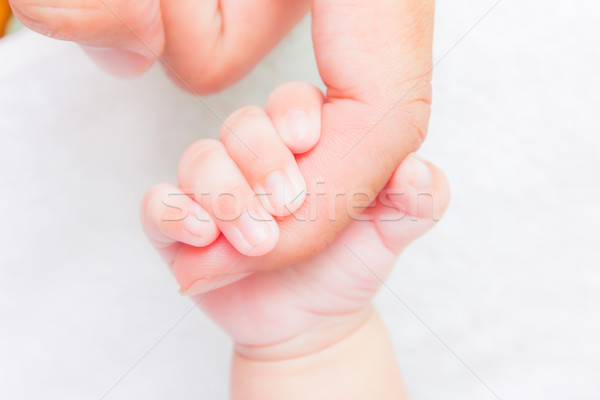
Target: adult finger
{"x": 124, "y": 37}
{"x": 212, "y": 43}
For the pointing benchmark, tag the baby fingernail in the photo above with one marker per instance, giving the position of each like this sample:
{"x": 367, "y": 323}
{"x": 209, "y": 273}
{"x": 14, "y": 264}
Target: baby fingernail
{"x": 255, "y": 228}
{"x": 419, "y": 174}
{"x": 196, "y": 223}
{"x": 299, "y": 125}
{"x": 284, "y": 191}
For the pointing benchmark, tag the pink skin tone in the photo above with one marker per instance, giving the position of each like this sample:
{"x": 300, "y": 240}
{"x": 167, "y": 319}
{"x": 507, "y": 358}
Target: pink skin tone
{"x": 258, "y": 178}
{"x": 303, "y": 329}
{"x": 307, "y": 306}
{"x": 373, "y": 56}
{"x": 239, "y": 201}
{"x": 284, "y": 312}
{"x": 297, "y": 301}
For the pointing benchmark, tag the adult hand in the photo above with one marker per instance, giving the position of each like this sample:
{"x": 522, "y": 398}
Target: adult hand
{"x": 204, "y": 45}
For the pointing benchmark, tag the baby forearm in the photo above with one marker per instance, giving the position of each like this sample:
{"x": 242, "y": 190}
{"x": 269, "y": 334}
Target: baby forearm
{"x": 361, "y": 366}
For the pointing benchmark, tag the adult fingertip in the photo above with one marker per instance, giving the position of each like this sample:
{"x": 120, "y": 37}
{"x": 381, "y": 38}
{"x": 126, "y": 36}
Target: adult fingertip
{"x": 119, "y": 62}
{"x": 205, "y": 285}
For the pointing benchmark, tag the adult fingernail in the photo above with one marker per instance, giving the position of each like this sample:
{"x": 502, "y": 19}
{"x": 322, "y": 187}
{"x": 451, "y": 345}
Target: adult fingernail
{"x": 299, "y": 125}
{"x": 283, "y": 191}
{"x": 119, "y": 62}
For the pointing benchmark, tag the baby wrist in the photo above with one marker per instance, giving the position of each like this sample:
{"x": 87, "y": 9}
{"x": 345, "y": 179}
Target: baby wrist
{"x": 314, "y": 340}
{"x": 359, "y": 366}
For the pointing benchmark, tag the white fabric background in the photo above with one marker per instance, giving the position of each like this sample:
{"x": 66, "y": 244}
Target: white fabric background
{"x": 509, "y": 280}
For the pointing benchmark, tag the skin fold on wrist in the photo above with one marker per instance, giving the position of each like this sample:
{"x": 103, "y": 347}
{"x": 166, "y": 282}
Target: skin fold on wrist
{"x": 325, "y": 334}
{"x": 361, "y": 365}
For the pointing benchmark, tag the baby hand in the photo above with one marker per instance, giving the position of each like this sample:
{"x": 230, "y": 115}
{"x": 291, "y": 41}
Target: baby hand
{"x": 263, "y": 307}
{"x": 235, "y": 186}
{"x": 303, "y": 308}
